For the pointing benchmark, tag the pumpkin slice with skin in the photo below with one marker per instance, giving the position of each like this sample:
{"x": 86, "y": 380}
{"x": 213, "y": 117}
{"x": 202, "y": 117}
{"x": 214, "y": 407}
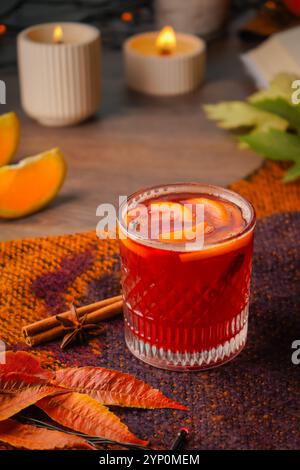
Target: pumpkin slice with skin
{"x": 9, "y": 136}
{"x": 31, "y": 184}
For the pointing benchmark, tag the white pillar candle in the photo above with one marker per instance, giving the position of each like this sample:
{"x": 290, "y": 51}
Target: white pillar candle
{"x": 203, "y": 17}
{"x": 59, "y": 69}
{"x": 164, "y": 63}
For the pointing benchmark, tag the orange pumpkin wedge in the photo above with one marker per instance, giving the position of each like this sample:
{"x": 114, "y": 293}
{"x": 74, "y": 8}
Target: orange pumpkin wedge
{"x": 31, "y": 184}
{"x": 9, "y": 136}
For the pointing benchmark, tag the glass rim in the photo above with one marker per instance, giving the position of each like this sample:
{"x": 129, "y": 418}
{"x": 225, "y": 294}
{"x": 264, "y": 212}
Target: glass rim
{"x": 175, "y": 188}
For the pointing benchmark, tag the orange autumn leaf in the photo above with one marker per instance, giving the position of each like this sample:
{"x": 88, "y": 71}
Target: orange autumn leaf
{"x": 111, "y": 387}
{"x": 12, "y": 403}
{"x": 24, "y": 436}
{"x": 21, "y": 370}
{"x": 84, "y": 414}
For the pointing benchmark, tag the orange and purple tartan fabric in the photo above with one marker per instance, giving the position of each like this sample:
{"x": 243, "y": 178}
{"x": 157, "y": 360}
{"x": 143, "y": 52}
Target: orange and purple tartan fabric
{"x": 250, "y": 403}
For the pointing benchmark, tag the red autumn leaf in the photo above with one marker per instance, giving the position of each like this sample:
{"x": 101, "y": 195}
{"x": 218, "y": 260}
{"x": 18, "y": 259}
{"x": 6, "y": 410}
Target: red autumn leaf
{"x": 21, "y": 370}
{"x": 12, "y": 403}
{"x": 84, "y": 414}
{"x": 111, "y": 387}
{"x": 25, "y": 436}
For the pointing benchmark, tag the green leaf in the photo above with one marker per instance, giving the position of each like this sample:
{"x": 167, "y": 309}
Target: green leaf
{"x": 235, "y": 114}
{"x": 280, "y": 87}
{"x": 282, "y": 108}
{"x": 277, "y": 145}
{"x": 268, "y": 114}
{"x": 277, "y": 99}
{"x": 292, "y": 174}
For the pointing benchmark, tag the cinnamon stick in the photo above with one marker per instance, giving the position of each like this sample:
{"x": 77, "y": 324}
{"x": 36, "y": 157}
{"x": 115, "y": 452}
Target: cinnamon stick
{"x": 51, "y": 322}
{"x": 107, "y": 311}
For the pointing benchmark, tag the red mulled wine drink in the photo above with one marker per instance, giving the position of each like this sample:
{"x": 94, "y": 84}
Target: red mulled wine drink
{"x": 186, "y": 252}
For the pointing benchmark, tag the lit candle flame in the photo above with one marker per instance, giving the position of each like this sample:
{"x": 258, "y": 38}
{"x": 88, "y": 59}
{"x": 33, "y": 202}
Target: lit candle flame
{"x": 166, "y": 41}
{"x": 58, "y": 34}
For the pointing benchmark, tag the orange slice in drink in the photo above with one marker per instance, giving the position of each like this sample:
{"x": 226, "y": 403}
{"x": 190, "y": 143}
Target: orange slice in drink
{"x": 173, "y": 222}
{"x": 215, "y": 212}
{"x": 168, "y": 219}
{"x": 165, "y": 221}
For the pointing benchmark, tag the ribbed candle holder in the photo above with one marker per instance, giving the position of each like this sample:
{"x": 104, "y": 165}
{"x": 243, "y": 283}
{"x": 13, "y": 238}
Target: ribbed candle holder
{"x": 60, "y": 82}
{"x": 152, "y": 73}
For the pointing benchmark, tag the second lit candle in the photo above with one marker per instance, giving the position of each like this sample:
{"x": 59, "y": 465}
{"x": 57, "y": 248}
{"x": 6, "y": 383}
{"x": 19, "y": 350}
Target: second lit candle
{"x": 164, "y": 63}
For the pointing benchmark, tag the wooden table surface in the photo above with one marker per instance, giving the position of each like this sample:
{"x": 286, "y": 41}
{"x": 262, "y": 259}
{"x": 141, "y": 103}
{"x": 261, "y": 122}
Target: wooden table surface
{"x": 135, "y": 141}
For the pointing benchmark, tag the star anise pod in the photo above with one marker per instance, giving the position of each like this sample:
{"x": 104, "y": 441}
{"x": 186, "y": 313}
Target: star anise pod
{"x": 78, "y": 330}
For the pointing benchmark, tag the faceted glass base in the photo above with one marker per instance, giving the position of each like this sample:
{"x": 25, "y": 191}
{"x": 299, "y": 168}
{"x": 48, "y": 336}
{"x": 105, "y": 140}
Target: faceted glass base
{"x": 184, "y": 361}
